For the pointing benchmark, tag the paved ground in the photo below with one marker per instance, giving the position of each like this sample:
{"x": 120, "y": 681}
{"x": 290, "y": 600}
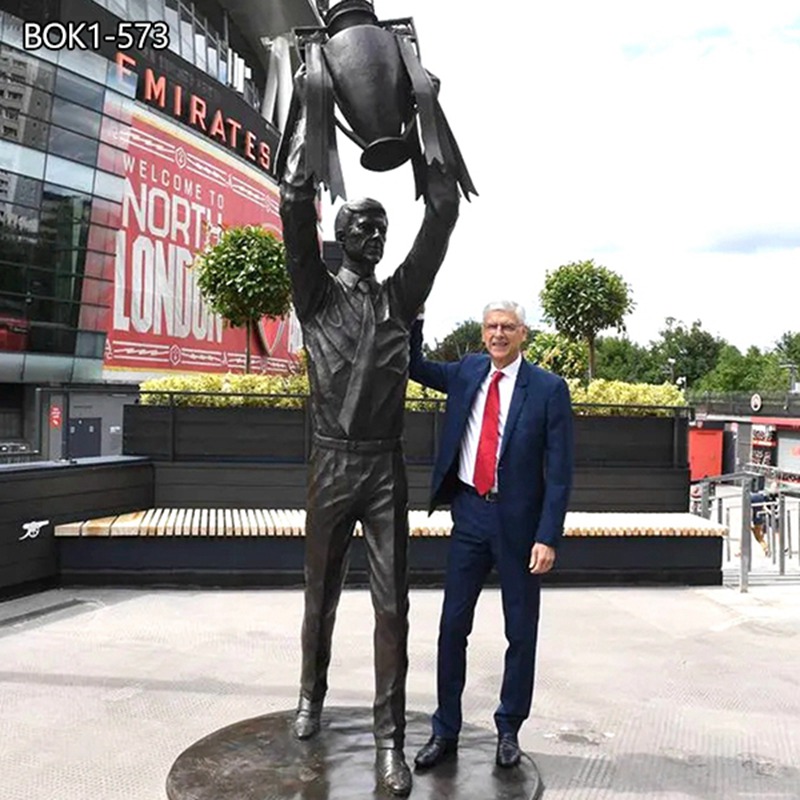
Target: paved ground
{"x": 658, "y": 693}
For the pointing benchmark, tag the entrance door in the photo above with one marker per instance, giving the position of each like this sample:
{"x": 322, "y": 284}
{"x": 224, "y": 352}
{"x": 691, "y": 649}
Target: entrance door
{"x": 705, "y": 452}
{"x": 84, "y": 437}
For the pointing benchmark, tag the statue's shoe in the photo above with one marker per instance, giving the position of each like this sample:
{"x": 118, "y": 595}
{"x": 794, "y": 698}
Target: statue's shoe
{"x": 392, "y": 772}
{"x": 307, "y": 720}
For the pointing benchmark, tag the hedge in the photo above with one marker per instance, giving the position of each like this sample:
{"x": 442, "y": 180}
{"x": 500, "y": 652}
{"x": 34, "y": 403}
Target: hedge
{"x": 290, "y": 391}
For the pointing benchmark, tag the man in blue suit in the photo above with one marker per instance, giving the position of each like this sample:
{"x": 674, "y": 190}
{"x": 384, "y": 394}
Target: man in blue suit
{"x": 504, "y": 465}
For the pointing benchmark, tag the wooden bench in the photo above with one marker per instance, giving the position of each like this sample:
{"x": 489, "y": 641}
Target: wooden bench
{"x": 291, "y": 522}
{"x": 264, "y": 547}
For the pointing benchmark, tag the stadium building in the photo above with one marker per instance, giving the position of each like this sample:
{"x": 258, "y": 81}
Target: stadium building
{"x": 116, "y": 160}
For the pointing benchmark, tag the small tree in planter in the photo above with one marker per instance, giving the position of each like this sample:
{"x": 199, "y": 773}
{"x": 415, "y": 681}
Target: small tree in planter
{"x": 582, "y": 298}
{"x": 242, "y": 276}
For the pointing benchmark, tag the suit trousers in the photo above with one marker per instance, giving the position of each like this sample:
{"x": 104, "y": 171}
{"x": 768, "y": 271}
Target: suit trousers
{"x": 345, "y": 487}
{"x": 478, "y": 543}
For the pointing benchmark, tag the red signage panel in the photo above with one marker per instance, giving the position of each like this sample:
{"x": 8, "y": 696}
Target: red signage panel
{"x": 55, "y": 416}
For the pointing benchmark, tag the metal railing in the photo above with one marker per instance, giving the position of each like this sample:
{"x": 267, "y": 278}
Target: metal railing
{"x": 775, "y": 513}
{"x": 738, "y": 403}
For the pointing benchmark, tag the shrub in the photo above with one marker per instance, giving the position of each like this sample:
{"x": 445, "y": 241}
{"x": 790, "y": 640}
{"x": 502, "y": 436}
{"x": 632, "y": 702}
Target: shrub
{"x": 290, "y": 391}
{"x": 635, "y": 399}
{"x": 220, "y": 391}
{"x": 420, "y": 398}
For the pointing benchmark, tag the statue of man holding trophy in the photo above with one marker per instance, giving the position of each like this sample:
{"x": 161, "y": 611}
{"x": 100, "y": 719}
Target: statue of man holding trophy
{"x": 356, "y": 333}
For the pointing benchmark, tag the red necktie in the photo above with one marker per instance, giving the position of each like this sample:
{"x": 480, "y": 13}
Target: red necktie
{"x": 486, "y": 460}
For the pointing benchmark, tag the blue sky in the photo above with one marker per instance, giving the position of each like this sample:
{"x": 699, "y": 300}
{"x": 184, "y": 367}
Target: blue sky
{"x": 661, "y": 140}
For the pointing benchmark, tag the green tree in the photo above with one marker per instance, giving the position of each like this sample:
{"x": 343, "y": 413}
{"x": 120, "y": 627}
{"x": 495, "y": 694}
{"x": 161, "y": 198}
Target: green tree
{"x": 752, "y": 371}
{"x": 582, "y": 299}
{"x": 466, "y": 337}
{"x": 788, "y": 350}
{"x": 620, "y": 359}
{"x": 242, "y": 276}
{"x": 686, "y": 350}
{"x": 558, "y": 353}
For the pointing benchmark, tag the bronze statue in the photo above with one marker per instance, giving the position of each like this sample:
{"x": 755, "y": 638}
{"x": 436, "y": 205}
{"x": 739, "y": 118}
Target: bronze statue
{"x": 356, "y": 333}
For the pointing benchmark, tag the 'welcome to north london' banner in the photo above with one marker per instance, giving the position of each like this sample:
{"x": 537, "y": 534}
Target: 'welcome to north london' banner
{"x": 177, "y": 190}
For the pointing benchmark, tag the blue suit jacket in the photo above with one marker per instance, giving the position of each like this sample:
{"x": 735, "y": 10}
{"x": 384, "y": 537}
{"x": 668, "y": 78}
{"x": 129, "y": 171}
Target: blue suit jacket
{"x": 535, "y": 464}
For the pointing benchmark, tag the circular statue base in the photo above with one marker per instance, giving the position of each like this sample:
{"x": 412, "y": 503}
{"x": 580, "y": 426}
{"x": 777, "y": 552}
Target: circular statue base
{"x": 260, "y": 759}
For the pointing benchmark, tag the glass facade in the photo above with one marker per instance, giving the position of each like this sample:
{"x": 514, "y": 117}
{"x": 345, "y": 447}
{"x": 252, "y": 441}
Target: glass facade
{"x": 66, "y": 126}
{"x": 201, "y": 36}
{"x": 111, "y": 177}
{"x": 62, "y": 159}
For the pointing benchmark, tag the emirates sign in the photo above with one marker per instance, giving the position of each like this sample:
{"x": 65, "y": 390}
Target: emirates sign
{"x": 171, "y": 97}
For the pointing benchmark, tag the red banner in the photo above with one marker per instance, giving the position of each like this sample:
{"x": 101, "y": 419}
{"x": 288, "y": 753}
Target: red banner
{"x": 178, "y": 189}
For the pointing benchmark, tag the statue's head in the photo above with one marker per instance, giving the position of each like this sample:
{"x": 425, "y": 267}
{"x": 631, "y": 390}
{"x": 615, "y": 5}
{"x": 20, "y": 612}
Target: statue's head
{"x": 360, "y": 227}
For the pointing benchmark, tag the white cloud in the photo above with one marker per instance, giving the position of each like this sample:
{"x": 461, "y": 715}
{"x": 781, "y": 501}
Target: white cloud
{"x": 660, "y": 140}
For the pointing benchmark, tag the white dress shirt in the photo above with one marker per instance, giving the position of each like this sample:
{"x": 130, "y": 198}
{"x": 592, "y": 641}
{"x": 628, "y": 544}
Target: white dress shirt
{"x": 472, "y": 433}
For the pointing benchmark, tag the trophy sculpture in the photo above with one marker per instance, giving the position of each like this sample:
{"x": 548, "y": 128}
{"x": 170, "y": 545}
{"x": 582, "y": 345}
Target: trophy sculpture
{"x": 372, "y": 71}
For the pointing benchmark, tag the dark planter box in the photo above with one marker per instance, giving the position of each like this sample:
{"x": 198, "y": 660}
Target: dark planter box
{"x": 175, "y": 433}
{"x": 206, "y": 484}
{"x": 166, "y": 433}
{"x": 631, "y": 441}
{"x": 256, "y": 457}
{"x": 280, "y": 434}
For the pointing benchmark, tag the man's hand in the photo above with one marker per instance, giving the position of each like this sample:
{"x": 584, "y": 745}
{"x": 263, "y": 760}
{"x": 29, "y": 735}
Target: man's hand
{"x": 542, "y": 558}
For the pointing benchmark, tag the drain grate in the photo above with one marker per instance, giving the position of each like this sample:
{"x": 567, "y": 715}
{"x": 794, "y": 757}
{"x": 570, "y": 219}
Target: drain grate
{"x": 40, "y": 612}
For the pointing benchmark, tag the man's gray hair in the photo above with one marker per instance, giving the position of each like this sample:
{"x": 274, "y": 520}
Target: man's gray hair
{"x": 506, "y": 305}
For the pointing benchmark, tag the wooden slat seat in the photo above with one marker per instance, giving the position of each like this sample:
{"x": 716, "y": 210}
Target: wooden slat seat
{"x": 291, "y": 522}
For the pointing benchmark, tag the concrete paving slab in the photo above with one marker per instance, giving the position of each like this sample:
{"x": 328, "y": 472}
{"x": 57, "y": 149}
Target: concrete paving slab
{"x": 661, "y": 693}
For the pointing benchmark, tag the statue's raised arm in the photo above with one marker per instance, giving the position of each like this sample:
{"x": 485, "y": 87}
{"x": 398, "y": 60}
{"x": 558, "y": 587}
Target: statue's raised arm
{"x": 306, "y": 268}
{"x": 413, "y": 279}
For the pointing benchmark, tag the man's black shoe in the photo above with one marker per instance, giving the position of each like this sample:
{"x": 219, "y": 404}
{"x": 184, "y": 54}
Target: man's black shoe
{"x": 508, "y": 752}
{"x": 437, "y": 749}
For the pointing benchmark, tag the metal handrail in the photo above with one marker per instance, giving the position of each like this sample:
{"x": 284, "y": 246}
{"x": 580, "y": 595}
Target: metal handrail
{"x": 747, "y": 480}
{"x": 778, "y": 514}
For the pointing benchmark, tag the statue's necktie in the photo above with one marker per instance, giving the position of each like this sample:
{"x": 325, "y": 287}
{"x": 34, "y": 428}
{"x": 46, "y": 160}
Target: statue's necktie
{"x": 363, "y": 358}
{"x": 486, "y": 460}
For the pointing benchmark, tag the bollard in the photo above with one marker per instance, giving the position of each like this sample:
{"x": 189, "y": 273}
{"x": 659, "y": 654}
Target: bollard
{"x": 781, "y": 534}
{"x": 773, "y": 530}
{"x": 745, "y": 562}
{"x": 728, "y": 537}
{"x": 705, "y": 500}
